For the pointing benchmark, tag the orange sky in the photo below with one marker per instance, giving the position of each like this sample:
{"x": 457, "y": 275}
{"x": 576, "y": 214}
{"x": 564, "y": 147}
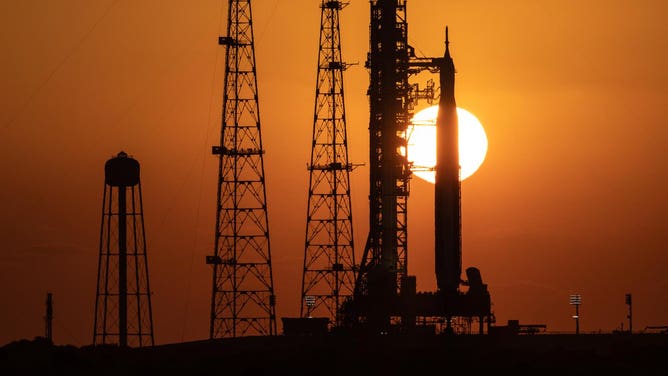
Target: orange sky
{"x": 571, "y": 198}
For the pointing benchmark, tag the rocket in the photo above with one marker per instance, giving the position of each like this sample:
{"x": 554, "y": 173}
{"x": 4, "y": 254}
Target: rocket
{"x": 447, "y": 191}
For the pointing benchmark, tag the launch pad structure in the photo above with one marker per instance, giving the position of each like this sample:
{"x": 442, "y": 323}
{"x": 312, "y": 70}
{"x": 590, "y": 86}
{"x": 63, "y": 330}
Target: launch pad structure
{"x": 385, "y": 298}
{"x": 378, "y": 295}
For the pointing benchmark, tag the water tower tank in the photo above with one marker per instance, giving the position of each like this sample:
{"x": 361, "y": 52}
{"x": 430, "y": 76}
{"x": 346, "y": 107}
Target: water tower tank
{"x": 121, "y": 171}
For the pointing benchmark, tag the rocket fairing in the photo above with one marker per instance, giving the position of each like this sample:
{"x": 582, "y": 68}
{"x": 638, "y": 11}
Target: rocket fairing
{"x": 447, "y": 196}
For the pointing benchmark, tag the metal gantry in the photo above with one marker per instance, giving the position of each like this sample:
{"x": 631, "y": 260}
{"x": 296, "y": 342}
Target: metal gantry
{"x": 329, "y": 260}
{"x": 123, "y": 313}
{"x": 243, "y": 300}
{"x": 385, "y": 296}
{"x": 384, "y": 261}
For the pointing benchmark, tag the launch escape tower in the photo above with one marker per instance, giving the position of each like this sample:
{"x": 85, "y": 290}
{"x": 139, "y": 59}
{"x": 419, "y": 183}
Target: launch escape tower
{"x": 123, "y": 314}
{"x": 329, "y": 261}
{"x": 385, "y": 295}
{"x": 242, "y": 300}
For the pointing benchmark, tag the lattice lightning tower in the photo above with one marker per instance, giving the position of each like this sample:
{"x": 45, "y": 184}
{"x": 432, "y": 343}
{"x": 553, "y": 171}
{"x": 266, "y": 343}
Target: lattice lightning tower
{"x": 243, "y": 300}
{"x": 329, "y": 260}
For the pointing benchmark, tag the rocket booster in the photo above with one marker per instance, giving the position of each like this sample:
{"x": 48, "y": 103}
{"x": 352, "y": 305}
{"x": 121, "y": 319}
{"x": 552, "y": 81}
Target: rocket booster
{"x": 447, "y": 199}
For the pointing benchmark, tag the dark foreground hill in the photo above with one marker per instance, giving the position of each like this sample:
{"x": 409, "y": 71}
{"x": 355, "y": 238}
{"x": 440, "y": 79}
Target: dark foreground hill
{"x": 541, "y": 354}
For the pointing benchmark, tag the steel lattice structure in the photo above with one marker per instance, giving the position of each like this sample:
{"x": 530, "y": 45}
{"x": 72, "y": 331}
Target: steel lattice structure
{"x": 329, "y": 261}
{"x": 384, "y": 262}
{"x": 385, "y": 296}
{"x": 123, "y": 313}
{"x": 243, "y": 300}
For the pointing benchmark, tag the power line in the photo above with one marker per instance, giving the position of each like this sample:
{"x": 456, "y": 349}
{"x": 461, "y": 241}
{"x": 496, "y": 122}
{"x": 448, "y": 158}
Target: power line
{"x": 59, "y": 66}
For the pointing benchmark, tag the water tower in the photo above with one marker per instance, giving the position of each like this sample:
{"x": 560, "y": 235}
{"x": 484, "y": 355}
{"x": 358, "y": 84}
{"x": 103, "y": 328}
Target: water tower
{"x": 123, "y": 300}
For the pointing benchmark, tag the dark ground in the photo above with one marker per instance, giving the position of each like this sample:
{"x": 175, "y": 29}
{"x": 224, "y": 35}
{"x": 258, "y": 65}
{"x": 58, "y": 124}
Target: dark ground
{"x": 540, "y": 354}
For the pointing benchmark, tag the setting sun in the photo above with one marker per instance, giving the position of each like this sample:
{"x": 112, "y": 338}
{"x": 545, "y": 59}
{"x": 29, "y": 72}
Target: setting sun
{"x": 422, "y": 143}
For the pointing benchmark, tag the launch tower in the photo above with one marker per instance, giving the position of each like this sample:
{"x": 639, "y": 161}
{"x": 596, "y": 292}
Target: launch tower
{"x": 385, "y": 295}
{"x": 384, "y": 262}
{"x": 329, "y": 259}
{"x": 242, "y": 299}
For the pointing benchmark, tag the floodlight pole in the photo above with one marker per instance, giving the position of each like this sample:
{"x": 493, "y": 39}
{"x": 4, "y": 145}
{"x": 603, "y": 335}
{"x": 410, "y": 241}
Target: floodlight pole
{"x": 629, "y": 303}
{"x": 577, "y": 319}
{"x": 576, "y": 300}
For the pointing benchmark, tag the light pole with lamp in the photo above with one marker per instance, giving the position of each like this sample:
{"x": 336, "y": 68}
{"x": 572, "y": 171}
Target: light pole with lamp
{"x": 576, "y": 300}
{"x": 630, "y": 315}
